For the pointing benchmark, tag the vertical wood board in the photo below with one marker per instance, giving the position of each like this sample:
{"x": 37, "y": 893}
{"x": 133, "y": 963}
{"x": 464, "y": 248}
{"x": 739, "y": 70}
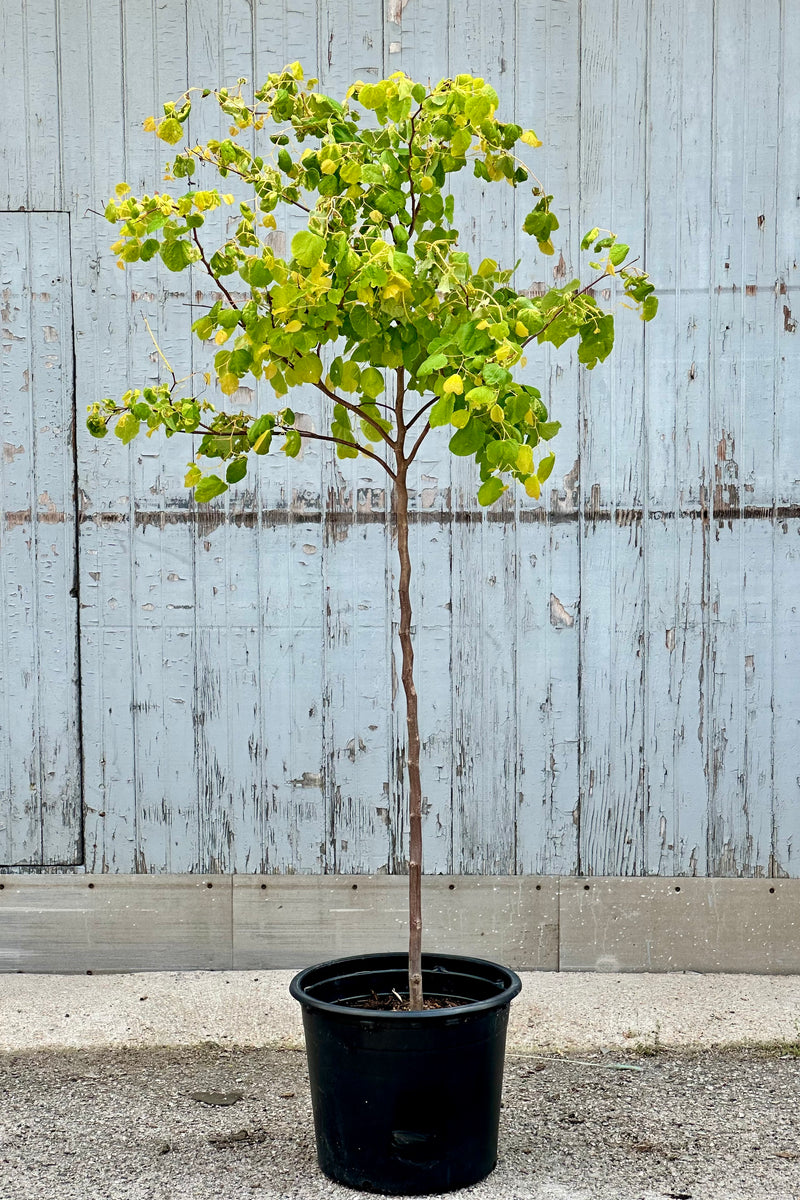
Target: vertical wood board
{"x": 40, "y": 773}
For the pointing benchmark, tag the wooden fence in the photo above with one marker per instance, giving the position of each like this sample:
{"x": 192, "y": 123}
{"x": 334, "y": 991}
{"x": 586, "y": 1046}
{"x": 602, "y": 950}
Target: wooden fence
{"x": 608, "y": 679}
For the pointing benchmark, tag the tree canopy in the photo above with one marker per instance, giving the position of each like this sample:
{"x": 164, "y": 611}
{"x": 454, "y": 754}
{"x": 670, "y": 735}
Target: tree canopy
{"x": 374, "y": 282}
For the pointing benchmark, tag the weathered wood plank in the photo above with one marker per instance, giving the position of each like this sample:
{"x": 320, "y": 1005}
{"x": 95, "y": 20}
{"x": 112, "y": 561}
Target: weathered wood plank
{"x": 613, "y": 164}
{"x": 677, "y": 612}
{"x": 414, "y": 38}
{"x": 40, "y": 803}
{"x": 679, "y": 106}
{"x": 90, "y": 38}
{"x": 356, "y": 655}
{"x": 30, "y": 166}
{"x": 547, "y": 694}
{"x": 786, "y": 671}
{"x": 547, "y": 84}
{"x": 482, "y": 39}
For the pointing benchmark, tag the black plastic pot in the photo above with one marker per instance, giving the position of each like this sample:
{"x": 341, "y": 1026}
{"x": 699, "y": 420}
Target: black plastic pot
{"x": 406, "y": 1102}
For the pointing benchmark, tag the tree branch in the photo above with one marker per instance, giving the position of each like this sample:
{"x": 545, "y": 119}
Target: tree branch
{"x": 419, "y": 413}
{"x": 242, "y": 175}
{"x": 220, "y": 285}
{"x": 560, "y": 310}
{"x": 325, "y": 437}
{"x": 425, "y": 431}
{"x": 353, "y": 408}
{"x": 399, "y": 402}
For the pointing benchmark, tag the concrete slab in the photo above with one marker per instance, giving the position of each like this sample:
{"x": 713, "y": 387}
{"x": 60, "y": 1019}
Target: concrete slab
{"x": 556, "y": 1012}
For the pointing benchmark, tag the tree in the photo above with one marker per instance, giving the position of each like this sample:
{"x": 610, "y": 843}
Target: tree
{"x": 377, "y": 277}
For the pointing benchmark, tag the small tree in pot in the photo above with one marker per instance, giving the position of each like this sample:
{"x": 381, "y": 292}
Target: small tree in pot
{"x": 377, "y": 277}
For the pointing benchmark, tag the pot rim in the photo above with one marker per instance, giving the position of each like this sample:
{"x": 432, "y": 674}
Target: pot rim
{"x": 504, "y": 996}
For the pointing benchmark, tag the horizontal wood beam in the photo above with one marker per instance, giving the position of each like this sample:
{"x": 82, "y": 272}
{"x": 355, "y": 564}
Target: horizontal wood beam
{"x": 98, "y": 923}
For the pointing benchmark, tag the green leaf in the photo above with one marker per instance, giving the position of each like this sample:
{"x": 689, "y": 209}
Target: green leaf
{"x": 372, "y": 95}
{"x": 369, "y": 431}
{"x": 291, "y": 447}
{"x": 351, "y": 374}
{"x": 372, "y": 383}
{"x": 490, "y": 491}
{"x": 261, "y": 426}
{"x": 209, "y": 487}
{"x": 434, "y": 362}
{"x": 597, "y": 340}
{"x": 130, "y": 252}
{"x": 649, "y": 307}
{"x": 468, "y": 440}
{"x": 524, "y": 461}
{"x": 471, "y": 339}
{"x": 481, "y": 396}
{"x": 495, "y": 375}
{"x": 363, "y": 324}
{"x": 618, "y": 253}
{"x": 96, "y": 425}
{"x": 308, "y": 369}
{"x": 549, "y": 429}
{"x": 178, "y": 254}
{"x": 307, "y": 247}
{"x": 237, "y": 469}
{"x": 545, "y": 467}
{"x": 442, "y": 411}
{"x": 148, "y": 249}
{"x": 127, "y": 427}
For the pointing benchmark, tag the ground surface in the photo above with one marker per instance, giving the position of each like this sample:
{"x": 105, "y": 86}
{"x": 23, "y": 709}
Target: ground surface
{"x": 555, "y": 1011}
{"x": 136, "y": 1123}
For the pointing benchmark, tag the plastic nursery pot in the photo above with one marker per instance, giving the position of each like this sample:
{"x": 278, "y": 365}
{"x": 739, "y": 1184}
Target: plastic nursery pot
{"x": 406, "y": 1102}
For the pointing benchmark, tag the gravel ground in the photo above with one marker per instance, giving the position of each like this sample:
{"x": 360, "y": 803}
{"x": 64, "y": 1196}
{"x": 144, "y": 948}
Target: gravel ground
{"x": 135, "y": 1124}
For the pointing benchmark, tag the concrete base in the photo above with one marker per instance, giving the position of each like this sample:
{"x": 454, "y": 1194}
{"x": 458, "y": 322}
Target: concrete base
{"x": 95, "y": 923}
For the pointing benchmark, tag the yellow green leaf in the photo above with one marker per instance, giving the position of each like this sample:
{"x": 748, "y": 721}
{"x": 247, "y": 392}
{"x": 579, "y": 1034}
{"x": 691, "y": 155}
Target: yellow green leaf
{"x": 170, "y": 131}
{"x": 525, "y": 460}
{"x": 454, "y": 384}
{"x": 228, "y": 383}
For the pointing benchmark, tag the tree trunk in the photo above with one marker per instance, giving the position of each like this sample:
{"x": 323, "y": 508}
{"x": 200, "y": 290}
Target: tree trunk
{"x": 412, "y": 720}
